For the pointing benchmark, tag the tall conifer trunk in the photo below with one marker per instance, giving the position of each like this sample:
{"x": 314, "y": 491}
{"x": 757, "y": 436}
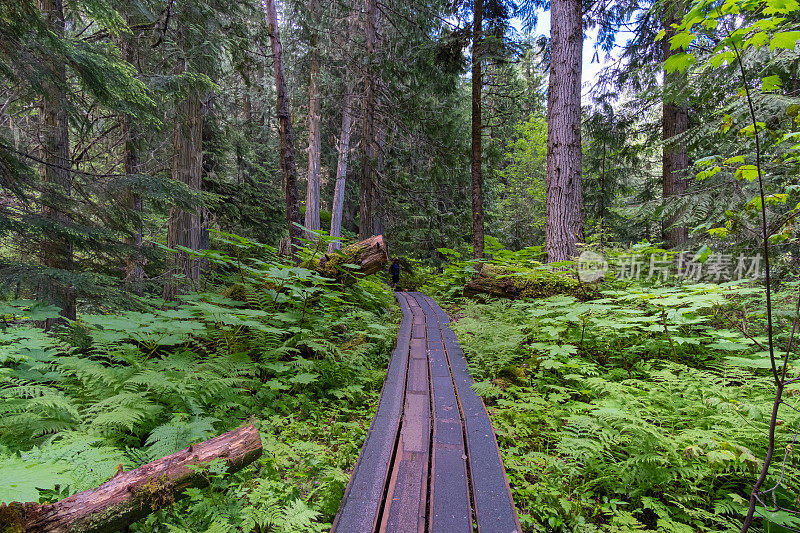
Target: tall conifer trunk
{"x": 314, "y": 126}
{"x": 183, "y": 227}
{"x": 288, "y": 163}
{"x": 564, "y": 217}
{"x": 675, "y": 121}
{"x": 56, "y": 249}
{"x": 366, "y": 212}
{"x": 134, "y": 263}
{"x": 477, "y": 132}
{"x": 341, "y": 172}
{"x": 343, "y": 146}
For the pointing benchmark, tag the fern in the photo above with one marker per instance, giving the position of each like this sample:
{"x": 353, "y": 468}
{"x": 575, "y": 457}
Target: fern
{"x": 181, "y": 431}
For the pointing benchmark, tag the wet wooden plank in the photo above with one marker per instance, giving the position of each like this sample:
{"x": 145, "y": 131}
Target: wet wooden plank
{"x": 450, "y": 507}
{"x": 406, "y": 500}
{"x": 363, "y": 502}
{"x": 430, "y": 424}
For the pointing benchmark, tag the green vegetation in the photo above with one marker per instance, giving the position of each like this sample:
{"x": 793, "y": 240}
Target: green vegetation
{"x": 299, "y": 357}
{"x": 644, "y": 409}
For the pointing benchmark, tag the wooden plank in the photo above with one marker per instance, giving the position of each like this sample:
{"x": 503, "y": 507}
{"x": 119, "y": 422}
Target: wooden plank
{"x": 430, "y": 442}
{"x": 406, "y": 499}
{"x": 491, "y": 496}
{"x": 450, "y": 507}
{"x": 363, "y": 502}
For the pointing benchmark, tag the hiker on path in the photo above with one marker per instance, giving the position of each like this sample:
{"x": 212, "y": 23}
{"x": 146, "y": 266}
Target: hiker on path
{"x": 394, "y": 270}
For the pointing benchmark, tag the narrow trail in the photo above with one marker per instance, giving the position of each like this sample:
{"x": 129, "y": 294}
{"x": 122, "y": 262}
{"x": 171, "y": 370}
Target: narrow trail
{"x": 430, "y": 462}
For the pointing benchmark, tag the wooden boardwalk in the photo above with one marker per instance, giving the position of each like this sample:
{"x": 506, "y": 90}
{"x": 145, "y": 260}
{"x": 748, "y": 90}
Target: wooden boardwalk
{"x": 430, "y": 462}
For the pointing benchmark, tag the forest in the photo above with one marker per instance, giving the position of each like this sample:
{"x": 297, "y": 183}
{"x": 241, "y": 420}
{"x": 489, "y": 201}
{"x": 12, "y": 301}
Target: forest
{"x": 204, "y": 205}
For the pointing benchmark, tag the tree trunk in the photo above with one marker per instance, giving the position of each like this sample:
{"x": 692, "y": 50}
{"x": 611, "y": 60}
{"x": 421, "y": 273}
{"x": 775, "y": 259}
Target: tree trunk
{"x": 285, "y": 126}
{"x": 130, "y": 496}
{"x": 314, "y": 127}
{"x": 378, "y": 205}
{"x": 341, "y": 171}
{"x": 366, "y": 211}
{"x": 56, "y": 248}
{"x": 477, "y": 133}
{"x": 134, "y": 263}
{"x": 564, "y": 218}
{"x": 675, "y": 121}
{"x": 183, "y": 227}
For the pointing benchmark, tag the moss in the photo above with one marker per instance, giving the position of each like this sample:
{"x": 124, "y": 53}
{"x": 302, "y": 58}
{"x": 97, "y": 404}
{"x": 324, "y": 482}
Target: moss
{"x": 526, "y": 284}
{"x": 330, "y": 265}
{"x": 353, "y": 343}
{"x": 156, "y": 493}
{"x": 11, "y": 518}
{"x": 236, "y": 292}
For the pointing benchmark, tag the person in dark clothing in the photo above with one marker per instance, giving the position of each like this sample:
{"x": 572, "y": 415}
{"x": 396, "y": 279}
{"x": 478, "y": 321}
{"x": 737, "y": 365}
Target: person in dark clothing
{"x": 394, "y": 270}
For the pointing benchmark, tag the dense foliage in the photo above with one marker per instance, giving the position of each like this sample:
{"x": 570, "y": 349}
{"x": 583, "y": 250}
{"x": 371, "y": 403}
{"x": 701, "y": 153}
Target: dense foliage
{"x": 152, "y": 158}
{"x": 283, "y": 349}
{"x": 646, "y": 408}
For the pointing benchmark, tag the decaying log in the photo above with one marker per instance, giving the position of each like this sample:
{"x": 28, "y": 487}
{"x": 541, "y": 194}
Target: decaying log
{"x": 130, "y": 496}
{"x": 497, "y": 282}
{"x": 370, "y": 254}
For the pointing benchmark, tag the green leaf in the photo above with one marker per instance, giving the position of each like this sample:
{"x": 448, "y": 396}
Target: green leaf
{"x": 21, "y": 479}
{"x": 679, "y": 62}
{"x": 775, "y": 7}
{"x": 304, "y": 379}
{"x": 770, "y": 83}
{"x": 747, "y": 172}
{"x": 784, "y": 39}
{"x": 681, "y": 40}
{"x": 702, "y": 254}
{"x": 757, "y": 40}
{"x": 722, "y": 57}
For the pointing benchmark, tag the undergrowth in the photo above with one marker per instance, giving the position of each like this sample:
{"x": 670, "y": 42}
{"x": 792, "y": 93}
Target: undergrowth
{"x": 296, "y": 354}
{"x": 645, "y": 409}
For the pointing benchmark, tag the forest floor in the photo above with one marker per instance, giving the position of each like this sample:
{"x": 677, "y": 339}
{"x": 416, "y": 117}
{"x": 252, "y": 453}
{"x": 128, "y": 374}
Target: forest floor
{"x": 641, "y": 409}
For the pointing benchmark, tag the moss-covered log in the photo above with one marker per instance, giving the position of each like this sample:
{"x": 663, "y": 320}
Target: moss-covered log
{"x": 503, "y": 283}
{"x": 130, "y": 496}
{"x": 370, "y": 255}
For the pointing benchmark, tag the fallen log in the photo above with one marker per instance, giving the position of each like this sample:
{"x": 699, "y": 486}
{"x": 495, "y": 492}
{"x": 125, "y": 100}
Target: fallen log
{"x": 130, "y": 496}
{"x": 524, "y": 284}
{"x": 371, "y": 256}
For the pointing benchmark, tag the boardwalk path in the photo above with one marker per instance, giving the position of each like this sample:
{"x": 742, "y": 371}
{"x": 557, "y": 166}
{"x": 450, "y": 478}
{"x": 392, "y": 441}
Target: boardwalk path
{"x": 430, "y": 461}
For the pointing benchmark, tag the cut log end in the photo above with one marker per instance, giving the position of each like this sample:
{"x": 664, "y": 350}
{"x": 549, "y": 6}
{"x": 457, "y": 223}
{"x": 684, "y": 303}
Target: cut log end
{"x": 130, "y": 496}
{"x": 371, "y": 255}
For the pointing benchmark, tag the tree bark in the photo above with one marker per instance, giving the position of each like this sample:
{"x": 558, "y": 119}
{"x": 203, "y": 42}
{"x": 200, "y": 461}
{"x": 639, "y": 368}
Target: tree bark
{"x": 134, "y": 263}
{"x": 564, "y": 218}
{"x": 366, "y": 211}
{"x": 288, "y": 163}
{"x": 314, "y": 126}
{"x": 341, "y": 166}
{"x": 183, "y": 227}
{"x": 477, "y": 133}
{"x": 675, "y": 121}
{"x": 130, "y": 496}
{"x": 56, "y": 248}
